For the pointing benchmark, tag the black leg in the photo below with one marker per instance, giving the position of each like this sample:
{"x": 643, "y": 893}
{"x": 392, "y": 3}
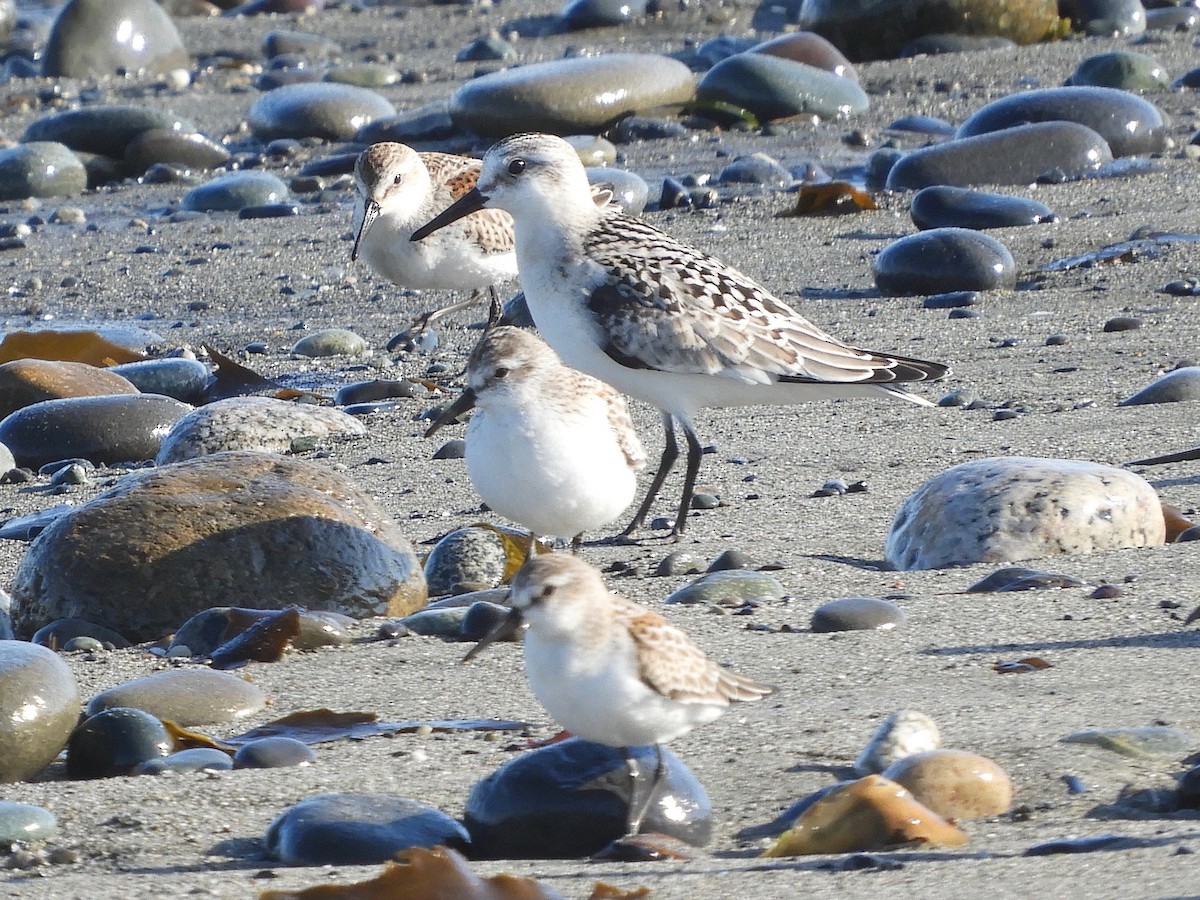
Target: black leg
{"x": 669, "y": 455}
{"x": 695, "y": 451}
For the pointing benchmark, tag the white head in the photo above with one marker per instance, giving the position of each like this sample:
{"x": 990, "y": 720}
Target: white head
{"x": 389, "y": 177}
{"x": 505, "y": 358}
{"x": 558, "y": 594}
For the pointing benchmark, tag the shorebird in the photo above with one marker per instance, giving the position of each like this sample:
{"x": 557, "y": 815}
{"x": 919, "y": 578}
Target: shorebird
{"x": 659, "y": 320}
{"x": 548, "y": 447}
{"x": 398, "y": 189}
{"x": 611, "y": 671}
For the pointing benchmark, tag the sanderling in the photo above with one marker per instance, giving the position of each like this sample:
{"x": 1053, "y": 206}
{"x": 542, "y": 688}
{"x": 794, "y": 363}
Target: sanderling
{"x": 611, "y": 671}
{"x": 398, "y": 189}
{"x": 548, "y": 447}
{"x": 659, "y": 320}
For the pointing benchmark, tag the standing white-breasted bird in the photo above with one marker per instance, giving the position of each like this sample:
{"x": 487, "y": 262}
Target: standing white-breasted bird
{"x": 548, "y": 447}
{"x": 611, "y": 671}
{"x": 399, "y": 189}
{"x": 659, "y": 320}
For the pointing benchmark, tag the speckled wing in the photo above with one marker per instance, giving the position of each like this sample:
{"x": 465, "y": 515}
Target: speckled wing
{"x": 670, "y": 307}
{"x": 453, "y": 176}
{"x": 675, "y": 667}
{"x": 621, "y": 424}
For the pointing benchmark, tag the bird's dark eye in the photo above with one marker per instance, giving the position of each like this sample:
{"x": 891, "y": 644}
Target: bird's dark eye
{"x": 397, "y": 179}
{"x": 500, "y": 372}
{"x": 516, "y": 167}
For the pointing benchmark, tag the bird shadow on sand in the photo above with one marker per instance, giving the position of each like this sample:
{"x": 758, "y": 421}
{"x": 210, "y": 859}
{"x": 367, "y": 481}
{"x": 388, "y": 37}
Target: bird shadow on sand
{"x": 1171, "y": 640}
{"x": 871, "y": 565}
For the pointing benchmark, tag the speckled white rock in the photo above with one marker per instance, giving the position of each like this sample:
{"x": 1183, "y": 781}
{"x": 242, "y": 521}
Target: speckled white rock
{"x": 254, "y": 423}
{"x": 1005, "y": 509}
{"x": 903, "y": 733}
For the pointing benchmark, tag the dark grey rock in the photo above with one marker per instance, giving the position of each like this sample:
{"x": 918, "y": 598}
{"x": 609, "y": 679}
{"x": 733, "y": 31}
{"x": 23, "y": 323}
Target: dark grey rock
{"x": 185, "y": 762}
{"x": 184, "y": 379}
{"x": 857, "y": 614}
{"x": 942, "y": 206}
{"x": 276, "y": 752}
{"x": 1122, "y": 69}
{"x": 115, "y": 742}
{"x": 106, "y": 129}
{"x": 944, "y": 259}
{"x": 772, "y": 87}
{"x": 322, "y": 110}
{"x": 1179, "y": 385}
{"x": 234, "y": 191}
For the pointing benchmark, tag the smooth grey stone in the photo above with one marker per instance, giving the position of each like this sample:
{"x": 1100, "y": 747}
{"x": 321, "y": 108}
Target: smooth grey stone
{"x": 184, "y": 379}
{"x": 1121, "y": 69}
{"x": 809, "y": 48}
{"x": 345, "y": 829}
{"x": 108, "y": 429}
{"x": 1128, "y": 124}
{"x": 757, "y": 168}
{"x": 728, "y": 560}
{"x": 330, "y": 342}
{"x": 322, "y": 110}
{"x": 114, "y": 742}
{"x": 444, "y": 622}
{"x": 942, "y": 206}
{"x": 234, "y": 191}
{"x": 276, "y": 752}
{"x": 856, "y": 614}
{"x": 191, "y": 150}
{"x": 929, "y": 126}
{"x": 26, "y": 823}
{"x": 1106, "y": 18}
{"x": 630, "y": 191}
{"x": 40, "y": 169}
{"x": 466, "y": 559}
{"x": 482, "y": 618}
{"x": 108, "y": 37}
{"x": 944, "y": 259}
{"x": 82, "y": 644}
{"x": 262, "y": 424}
{"x": 186, "y": 696}
{"x": 60, "y": 632}
{"x": 195, "y": 759}
{"x": 106, "y": 129}
{"x": 431, "y": 122}
{"x": 571, "y": 799}
{"x": 680, "y": 562}
{"x": 721, "y": 47}
{"x": 1179, "y": 385}
{"x": 39, "y": 705}
{"x": 600, "y": 13}
{"x": 364, "y": 75}
{"x": 732, "y": 587}
{"x": 207, "y": 630}
{"x": 569, "y": 96}
{"x": 1017, "y": 155}
{"x": 489, "y": 47}
{"x": 312, "y": 47}
{"x": 1172, "y": 18}
{"x": 880, "y": 164}
{"x": 772, "y": 87}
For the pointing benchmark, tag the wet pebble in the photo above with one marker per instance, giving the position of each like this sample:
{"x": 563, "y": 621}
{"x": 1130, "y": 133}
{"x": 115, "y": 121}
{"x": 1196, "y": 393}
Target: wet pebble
{"x": 1006, "y": 509}
{"x": 455, "y": 448}
{"x": 184, "y": 379}
{"x": 1012, "y": 579}
{"x": 1106, "y": 18}
{"x": 185, "y": 762}
{"x": 235, "y": 191}
{"x": 466, "y": 559}
{"x": 955, "y": 784}
{"x": 1122, "y": 69}
{"x": 944, "y": 259}
{"x": 26, "y": 823}
{"x": 757, "y": 168}
{"x": 729, "y": 588}
{"x": 943, "y": 206}
{"x": 601, "y": 13}
{"x": 1122, "y": 323}
{"x": 275, "y": 752}
{"x": 773, "y": 87}
{"x": 262, "y": 424}
{"x": 215, "y": 528}
{"x": 570, "y": 799}
{"x": 680, "y": 562}
{"x": 857, "y": 614}
{"x": 731, "y": 559}
{"x": 112, "y": 37}
{"x": 115, "y": 742}
{"x": 344, "y": 829}
{"x": 903, "y": 733}
{"x": 444, "y": 622}
{"x": 1144, "y": 741}
{"x": 1178, "y": 385}
{"x": 629, "y": 189}
{"x": 27, "y": 381}
{"x": 810, "y": 49}
{"x": 106, "y": 129}
{"x": 1172, "y": 18}
{"x": 190, "y": 150}
{"x": 61, "y": 632}
{"x": 1128, "y": 124}
{"x": 320, "y": 110}
{"x": 569, "y": 96}
{"x": 109, "y": 429}
{"x": 40, "y": 169}
{"x": 39, "y": 705}
{"x": 186, "y": 696}
{"x": 378, "y": 389}
{"x": 330, "y": 342}
{"x": 207, "y": 630}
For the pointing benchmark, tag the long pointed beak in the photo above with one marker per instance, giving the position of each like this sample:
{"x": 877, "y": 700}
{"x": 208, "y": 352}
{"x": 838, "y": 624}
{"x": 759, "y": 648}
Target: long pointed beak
{"x": 465, "y": 402}
{"x": 471, "y": 201}
{"x": 370, "y": 214}
{"x": 505, "y": 628}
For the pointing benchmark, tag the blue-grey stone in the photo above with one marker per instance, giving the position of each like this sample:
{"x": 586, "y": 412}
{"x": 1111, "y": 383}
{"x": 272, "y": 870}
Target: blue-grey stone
{"x": 772, "y": 87}
{"x": 184, "y": 379}
{"x": 187, "y": 696}
{"x": 731, "y": 587}
{"x": 40, "y": 169}
{"x": 195, "y": 759}
{"x": 599, "y": 13}
{"x": 330, "y": 342}
{"x": 322, "y": 110}
{"x": 1121, "y": 69}
{"x": 942, "y": 260}
{"x": 235, "y": 191}
{"x": 1182, "y": 384}
{"x": 115, "y": 742}
{"x": 25, "y": 822}
{"x": 39, "y": 705}
{"x": 275, "y": 752}
{"x": 188, "y": 149}
{"x": 857, "y": 614}
{"x": 106, "y": 129}
{"x": 943, "y": 206}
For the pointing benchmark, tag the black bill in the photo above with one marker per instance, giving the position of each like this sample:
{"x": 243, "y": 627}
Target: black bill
{"x": 465, "y": 402}
{"x": 370, "y": 214}
{"x": 507, "y": 628}
{"x": 470, "y": 202}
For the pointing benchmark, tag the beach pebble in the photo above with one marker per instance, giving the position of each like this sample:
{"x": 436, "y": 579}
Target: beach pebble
{"x": 482, "y": 618}
{"x": 680, "y": 562}
{"x": 1188, "y": 791}
{"x": 40, "y": 169}
{"x": 1128, "y": 124}
{"x": 1016, "y": 155}
{"x": 943, "y": 206}
{"x": 185, "y": 762}
{"x": 106, "y": 129}
{"x": 184, "y": 379}
{"x": 25, "y": 822}
{"x": 1172, "y": 18}
{"x": 186, "y": 696}
{"x": 773, "y": 87}
{"x": 630, "y": 191}
{"x": 955, "y": 784}
{"x": 322, "y": 110}
{"x": 467, "y": 559}
{"x": 164, "y": 544}
{"x": 1122, "y": 69}
{"x": 346, "y": 829}
{"x": 330, "y": 342}
{"x": 1011, "y": 579}
{"x": 732, "y": 559}
{"x": 1006, "y": 509}
{"x": 60, "y": 632}
{"x": 569, "y": 96}
{"x": 378, "y": 389}
{"x": 254, "y": 423}
{"x": 571, "y": 798}
{"x": 367, "y": 75}
{"x": 733, "y": 588}
{"x": 114, "y": 428}
{"x": 1121, "y": 323}
{"x": 114, "y": 742}
{"x": 757, "y": 168}
{"x": 857, "y": 614}
{"x": 879, "y": 29}
{"x": 235, "y": 191}
{"x": 944, "y": 259}
{"x": 1106, "y": 18}
{"x": 276, "y": 752}
{"x": 27, "y": 381}
{"x": 425, "y": 123}
{"x": 204, "y": 632}
{"x": 39, "y": 705}
{"x": 441, "y": 621}
{"x": 810, "y": 49}
{"x": 903, "y": 733}
{"x": 312, "y": 47}
{"x": 191, "y": 150}
{"x": 1178, "y": 385}
{"x": 1143, "y": 741}
{"x": 487, "y": 47}
{"x": 600, "y": 13}
{"x": 112, "y": 37}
